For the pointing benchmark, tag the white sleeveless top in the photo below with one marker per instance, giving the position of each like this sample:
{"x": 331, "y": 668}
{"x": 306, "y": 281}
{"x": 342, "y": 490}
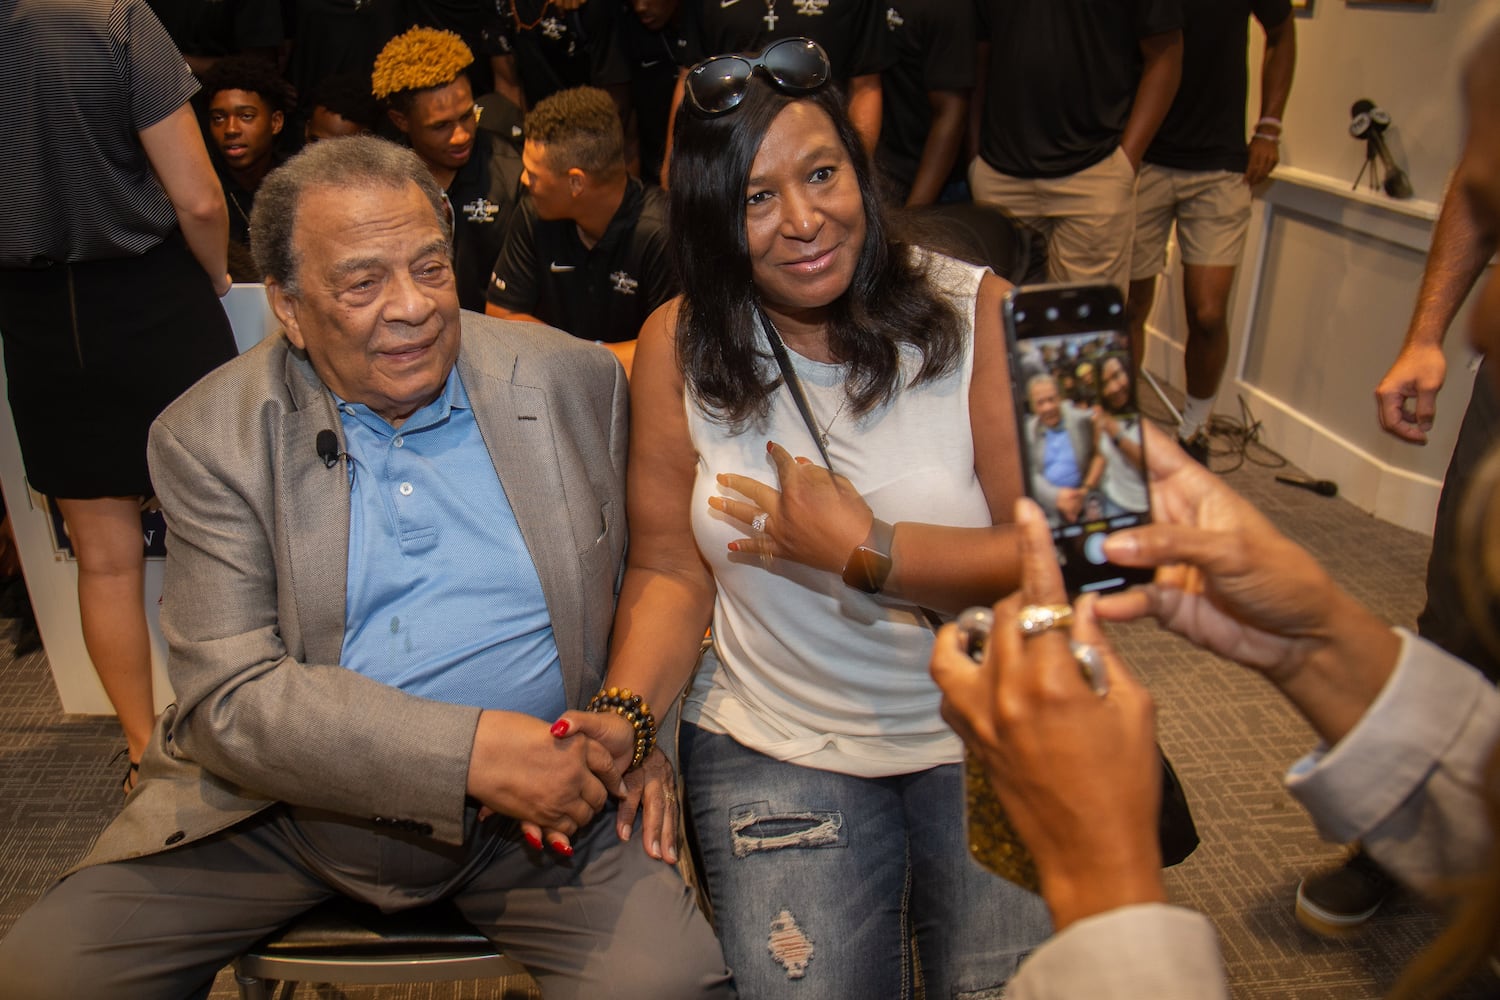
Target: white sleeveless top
{"x": 804, "y": 668}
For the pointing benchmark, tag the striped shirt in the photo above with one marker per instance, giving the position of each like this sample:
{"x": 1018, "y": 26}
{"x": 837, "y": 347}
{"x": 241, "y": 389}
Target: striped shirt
{"x": 80, "y": 79}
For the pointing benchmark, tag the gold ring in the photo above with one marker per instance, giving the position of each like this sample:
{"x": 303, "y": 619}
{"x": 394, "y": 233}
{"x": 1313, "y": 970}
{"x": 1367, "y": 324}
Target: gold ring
{"x": 1034, "y": 619}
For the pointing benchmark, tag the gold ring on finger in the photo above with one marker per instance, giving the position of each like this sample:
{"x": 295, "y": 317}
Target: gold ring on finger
{"x": 1034, "y": 619}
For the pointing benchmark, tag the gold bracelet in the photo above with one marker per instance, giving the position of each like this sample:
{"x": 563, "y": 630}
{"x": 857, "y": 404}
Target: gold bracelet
{"x": 633, "y": 710}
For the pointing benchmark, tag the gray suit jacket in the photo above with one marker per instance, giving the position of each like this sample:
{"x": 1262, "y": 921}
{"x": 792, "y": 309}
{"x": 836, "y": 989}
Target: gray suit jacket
{"x": 253, "y": 608}
{"x": 1080, "y": 425}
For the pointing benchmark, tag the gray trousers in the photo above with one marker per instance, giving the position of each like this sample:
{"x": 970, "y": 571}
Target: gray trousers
{"x": 1445, "y": 620}
{"x": 608, "y": 922}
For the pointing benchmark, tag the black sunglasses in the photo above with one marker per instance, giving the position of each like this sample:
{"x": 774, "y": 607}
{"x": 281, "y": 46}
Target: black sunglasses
{"x": 793, "y": 65}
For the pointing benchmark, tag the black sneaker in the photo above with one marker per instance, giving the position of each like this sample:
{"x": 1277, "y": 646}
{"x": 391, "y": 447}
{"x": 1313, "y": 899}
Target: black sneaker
{"x": 1196, "y": 447}
{"x": 1339, "y": 900}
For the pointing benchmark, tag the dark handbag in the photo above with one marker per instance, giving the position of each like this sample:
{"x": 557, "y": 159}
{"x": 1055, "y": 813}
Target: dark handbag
{"x": 1176, "y": 829}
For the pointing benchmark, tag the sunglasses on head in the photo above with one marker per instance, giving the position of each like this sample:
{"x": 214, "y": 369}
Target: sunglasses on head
{"x": 793, "y": 65}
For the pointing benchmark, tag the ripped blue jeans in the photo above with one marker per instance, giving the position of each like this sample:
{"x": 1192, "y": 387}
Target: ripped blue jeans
{"x": 820, "y": 880}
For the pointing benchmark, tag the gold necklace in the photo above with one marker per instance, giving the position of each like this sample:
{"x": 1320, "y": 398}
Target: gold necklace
{"x": 236, "y": 203}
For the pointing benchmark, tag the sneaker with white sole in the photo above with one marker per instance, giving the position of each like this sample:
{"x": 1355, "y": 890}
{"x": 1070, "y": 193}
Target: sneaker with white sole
{"x": 1340, "y": 900}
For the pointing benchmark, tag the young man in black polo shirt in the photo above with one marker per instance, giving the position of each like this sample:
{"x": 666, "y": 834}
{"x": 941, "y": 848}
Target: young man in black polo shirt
{"x": 421, "y": 75}
{"x": 588, "y": 251}
{"x": 246, "y": 105}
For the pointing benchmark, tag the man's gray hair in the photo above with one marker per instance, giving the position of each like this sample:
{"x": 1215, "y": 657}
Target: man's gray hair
{"x": 357, "y": 161}
{"x": 1031, "y": 383}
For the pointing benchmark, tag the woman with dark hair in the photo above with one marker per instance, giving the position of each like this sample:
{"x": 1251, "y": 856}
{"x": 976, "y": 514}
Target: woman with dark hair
{"x": 1121, "y": 468}
{"x": 823, "y": 453}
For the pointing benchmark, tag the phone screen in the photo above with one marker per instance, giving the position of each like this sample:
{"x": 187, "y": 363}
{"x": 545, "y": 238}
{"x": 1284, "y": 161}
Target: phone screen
{"x": 1081, "y": 442}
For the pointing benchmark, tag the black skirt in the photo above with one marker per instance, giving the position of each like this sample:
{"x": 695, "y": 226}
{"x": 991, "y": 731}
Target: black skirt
{"x": 94, "y": 351}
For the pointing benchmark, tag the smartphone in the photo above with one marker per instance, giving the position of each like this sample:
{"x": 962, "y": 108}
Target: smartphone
{"x": 1082, "y": 450}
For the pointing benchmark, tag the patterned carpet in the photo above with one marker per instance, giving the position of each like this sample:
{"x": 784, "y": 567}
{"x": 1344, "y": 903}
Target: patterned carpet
{"x": 1229, "y": 735}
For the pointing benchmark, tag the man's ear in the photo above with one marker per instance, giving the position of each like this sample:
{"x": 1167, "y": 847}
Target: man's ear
{"x": 577, "y": 180}
{"x": 284, "y": 305}
{"x": 399, "y": 120}
{"x": 278, "y": 119}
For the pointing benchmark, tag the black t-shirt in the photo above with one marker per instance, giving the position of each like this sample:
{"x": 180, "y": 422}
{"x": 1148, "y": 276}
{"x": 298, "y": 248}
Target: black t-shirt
{"x": 1205, "y": 128}
{"x": 1061, "y": 79}
{"x": 852, "y": 32}
{"x": 556, "y": 50}
{"x": 654, "y": 58}
{"x": 223, "y": 28}
{"x": 933, "y": 45}
{"x": 484, "y": 195}
{"x": 330, "y": 37}
{"x": 604, "y": 293}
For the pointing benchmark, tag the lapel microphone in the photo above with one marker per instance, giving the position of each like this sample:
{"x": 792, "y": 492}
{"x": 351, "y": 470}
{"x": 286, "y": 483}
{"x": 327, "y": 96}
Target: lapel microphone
{"x": 328, "y": 448}
{"x": 1322, "y": 487}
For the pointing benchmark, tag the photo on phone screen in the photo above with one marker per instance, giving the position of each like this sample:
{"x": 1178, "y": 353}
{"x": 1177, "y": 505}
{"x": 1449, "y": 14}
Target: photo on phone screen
{"x": 1081, "y": 442}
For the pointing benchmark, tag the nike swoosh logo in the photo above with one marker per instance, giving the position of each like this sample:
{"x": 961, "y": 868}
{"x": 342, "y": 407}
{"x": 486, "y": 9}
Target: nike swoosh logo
{"x": 727, "y": 3}
{"x": 647, "y": 64}
{"x": 561, "y": 268}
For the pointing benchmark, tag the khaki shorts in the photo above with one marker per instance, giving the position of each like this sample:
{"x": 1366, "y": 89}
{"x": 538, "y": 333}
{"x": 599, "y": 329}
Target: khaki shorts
{"x": 1210, "y": 207}
{"x": 1086, "y": 218}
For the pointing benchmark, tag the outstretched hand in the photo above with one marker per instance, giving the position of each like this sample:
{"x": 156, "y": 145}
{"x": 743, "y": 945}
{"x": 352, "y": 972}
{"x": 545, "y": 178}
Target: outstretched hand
{"x": 1228, "y": 581}
{"x": 1231, "y": 582}
{"x": 816, "y": 518}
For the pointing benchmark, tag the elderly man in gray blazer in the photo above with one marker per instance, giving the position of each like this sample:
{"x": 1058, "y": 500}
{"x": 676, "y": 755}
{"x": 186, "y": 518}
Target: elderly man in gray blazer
{"x": 1060, "y": 477}
{"x": 392, "y": 561}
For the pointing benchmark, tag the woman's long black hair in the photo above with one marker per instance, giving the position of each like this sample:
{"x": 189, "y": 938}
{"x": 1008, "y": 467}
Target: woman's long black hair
{"x": 889, "y": 301}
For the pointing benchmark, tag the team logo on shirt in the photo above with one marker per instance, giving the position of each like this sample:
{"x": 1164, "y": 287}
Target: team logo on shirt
{"x": 553, "y": 29}
{"x": 893, "y": 18}
{"x": 624, "y": 283}
{"x": 481, "y": 210}
{"x": 810, "y": 8}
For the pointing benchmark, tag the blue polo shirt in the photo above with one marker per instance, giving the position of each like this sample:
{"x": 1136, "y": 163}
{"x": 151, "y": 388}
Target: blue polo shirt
{"x": 1059, "y": 462}
{"x": 443, "y": 600}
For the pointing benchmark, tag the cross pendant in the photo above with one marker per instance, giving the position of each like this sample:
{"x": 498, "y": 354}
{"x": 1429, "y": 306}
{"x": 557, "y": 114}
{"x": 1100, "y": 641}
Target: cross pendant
{"x": 770, "y": 20}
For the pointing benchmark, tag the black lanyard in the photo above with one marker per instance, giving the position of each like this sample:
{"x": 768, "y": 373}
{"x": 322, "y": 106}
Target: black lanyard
{"x": 793, "y": 384}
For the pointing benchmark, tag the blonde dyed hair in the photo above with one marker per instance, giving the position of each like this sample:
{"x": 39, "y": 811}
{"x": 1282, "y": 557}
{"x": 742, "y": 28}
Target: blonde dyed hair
{"x": 418, "y": 59}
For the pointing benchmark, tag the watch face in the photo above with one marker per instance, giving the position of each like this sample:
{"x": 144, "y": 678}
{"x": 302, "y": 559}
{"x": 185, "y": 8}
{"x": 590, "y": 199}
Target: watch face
{"x": 867, "y": 570}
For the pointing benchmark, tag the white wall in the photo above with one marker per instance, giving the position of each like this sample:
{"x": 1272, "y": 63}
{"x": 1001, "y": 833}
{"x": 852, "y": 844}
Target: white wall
{"x": 1330, "y": 275}
{"x": 1402, "y": 57}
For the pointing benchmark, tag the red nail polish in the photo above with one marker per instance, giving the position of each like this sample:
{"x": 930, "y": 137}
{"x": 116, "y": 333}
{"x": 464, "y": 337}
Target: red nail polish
{"x": 769, "y": 446}
{"x": 534, "y": 841}
{"x": 560, "y": 728}
{"x": 563, "y": 847}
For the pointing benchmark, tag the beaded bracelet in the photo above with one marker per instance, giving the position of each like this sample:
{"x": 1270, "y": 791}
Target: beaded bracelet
{"x": 633, "y": 710}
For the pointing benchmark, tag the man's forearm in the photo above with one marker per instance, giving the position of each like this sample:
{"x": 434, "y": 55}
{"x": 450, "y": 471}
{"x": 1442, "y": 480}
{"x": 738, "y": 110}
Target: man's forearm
{"x": 865, "y": 109}
{"x": 1457, "y": 257}
{"x": 950, "y": 115}
{"x": 1161, "y": 72}
{"x": 1276, "y": 69}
